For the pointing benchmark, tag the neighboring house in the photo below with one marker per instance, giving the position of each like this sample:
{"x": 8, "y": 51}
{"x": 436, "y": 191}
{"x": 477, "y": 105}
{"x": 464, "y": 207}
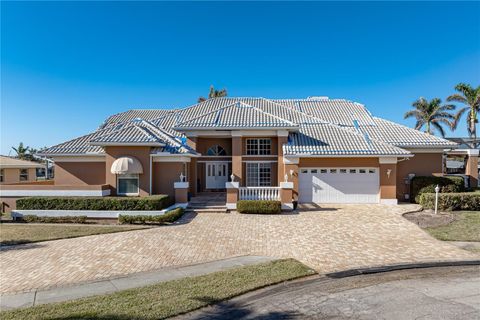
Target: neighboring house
{"x": 331, "y": 150}
{"x": 15, "y": 171}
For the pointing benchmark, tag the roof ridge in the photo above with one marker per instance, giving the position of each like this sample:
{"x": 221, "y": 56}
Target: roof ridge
{"x": 205, "y": 114}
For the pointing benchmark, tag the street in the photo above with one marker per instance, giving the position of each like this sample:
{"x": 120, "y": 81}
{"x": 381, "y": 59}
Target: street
{"x": 433, "y": 293}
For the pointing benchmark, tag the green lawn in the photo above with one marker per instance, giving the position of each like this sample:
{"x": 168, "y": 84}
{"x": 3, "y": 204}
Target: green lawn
{"x": 17, "y": 233}
{"x": 170, "y": 298}
{"x": 467, "y": 228}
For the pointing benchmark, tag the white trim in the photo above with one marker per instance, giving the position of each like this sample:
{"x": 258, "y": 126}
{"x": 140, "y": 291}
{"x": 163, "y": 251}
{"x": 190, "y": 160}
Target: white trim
{"x": 291, "y": 160}
{"x": 260, "y": 161}
{"x": 86, "y": 154}
{"x": 231, "y": 206}
{"x": 286, "y": 185}
{"x": 425, "y": 150}
{"x": 210, "y": 161}
{"x": 389, "y": 201}
{"x": 134, "y": 144}
{"x": 162, "y": 158}
{"x": 387, "y": 160}
{"x": 92, "y": 158}
{"x": 54, "y": 193}
{"x": 242, "y": 128}
{"x": 350, "y": 156}
{"x": 202, "y": 156}
{"x": 287, "y": 206}
{"x": 282, "y": 133}
{"x": 180, "y": 185}
{"x": 232, "y": 185}
{"x": 12, "y": 166}
{"x": 260, "y": 155}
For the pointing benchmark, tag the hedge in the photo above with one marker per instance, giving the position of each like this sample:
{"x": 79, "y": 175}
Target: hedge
{"x": 168, "y": 217}
{"x": 452, "y": 201}
{"x": 447, "y": 184}
{"x": 157, "y": 202}
{"x": 62, "y": 219}
{"x": 259, "y": 206}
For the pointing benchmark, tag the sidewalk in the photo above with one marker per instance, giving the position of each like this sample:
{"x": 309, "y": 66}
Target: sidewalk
{"x": 122, "y": 283}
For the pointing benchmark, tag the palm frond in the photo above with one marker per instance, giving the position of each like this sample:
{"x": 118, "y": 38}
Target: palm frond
{"x": 439, "y": 128}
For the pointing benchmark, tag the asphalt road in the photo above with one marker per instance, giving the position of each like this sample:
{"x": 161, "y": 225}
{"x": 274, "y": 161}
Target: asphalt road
{"x": 433, "y": 293}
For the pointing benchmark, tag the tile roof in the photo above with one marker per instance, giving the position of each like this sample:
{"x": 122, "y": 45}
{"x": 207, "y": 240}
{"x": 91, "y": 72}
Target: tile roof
{"x": 145, "y": 114}
{"x": 236, "y": 115}
{"x": 9, "y": 162}
{"x": 329, "y": 139}
{"x": 336, "y": 111}
{"x": 402, "y": 136}
{"x": 320, "y": 123}
{"x": 136, "y": 133}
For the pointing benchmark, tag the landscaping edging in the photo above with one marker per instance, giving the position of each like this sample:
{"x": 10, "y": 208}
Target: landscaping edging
{"x": 94, "y": 214}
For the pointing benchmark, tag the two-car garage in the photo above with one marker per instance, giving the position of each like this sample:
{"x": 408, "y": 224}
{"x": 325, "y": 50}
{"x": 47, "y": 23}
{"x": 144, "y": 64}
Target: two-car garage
{"x": 339, "y": 185}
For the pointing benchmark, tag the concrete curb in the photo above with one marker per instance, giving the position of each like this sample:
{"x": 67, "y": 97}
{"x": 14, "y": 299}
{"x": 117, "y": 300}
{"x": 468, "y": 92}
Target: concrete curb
{"x": 136, "y": 280}
{"x": 395, "y": 267}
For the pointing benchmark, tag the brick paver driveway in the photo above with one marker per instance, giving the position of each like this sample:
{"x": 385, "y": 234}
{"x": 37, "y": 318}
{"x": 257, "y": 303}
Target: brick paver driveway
{"x": 331, "y": 239}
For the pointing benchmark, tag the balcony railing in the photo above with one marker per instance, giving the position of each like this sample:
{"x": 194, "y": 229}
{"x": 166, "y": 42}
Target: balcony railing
{"x": 259, "y": 193}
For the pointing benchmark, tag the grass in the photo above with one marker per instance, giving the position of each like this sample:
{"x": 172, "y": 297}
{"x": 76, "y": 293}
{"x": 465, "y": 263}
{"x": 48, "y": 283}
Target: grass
{"x": 11, "y": 233}
{"x": 170, "y": 298}
{"x": 467, "y": 228}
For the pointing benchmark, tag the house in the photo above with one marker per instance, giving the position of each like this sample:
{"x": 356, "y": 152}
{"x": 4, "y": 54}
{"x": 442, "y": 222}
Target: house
{"x": 16, "y": 171}
{"x": 307, "y": 150}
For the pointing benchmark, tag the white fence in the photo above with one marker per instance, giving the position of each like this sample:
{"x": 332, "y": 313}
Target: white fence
{"x": 259, "y": 193}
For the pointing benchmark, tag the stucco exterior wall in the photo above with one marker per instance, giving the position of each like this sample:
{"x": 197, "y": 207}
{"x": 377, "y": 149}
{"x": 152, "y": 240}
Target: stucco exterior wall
{"x": 421, "y": 164}
{"x": 141, "y": 153}
{"x": 12, "y": 175}
{"x": 203, "y": 144}
{"x": 164, "y": 174}
{"x": 79, "y": 173}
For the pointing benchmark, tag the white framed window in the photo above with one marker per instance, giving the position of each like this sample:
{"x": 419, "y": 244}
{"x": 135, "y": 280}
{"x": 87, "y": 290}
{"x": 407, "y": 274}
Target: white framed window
{"x": 23, "y": 175}
{"x": 323, "y": 170}
{"x": 371, "y": 170}
{"x": 304, "y": 171}
{"x": 313, "y": 171}
{"x": 353, "y": 171}
{"x": 2, "y": 172}
{"x": 362, "y": 171}
{"x": 216, "y": 150}
{"x": 127, "y": 184}
{"x": 259, "y": 146}
{"x": 333, "y": 170}
{"x": 259, "y": 174}
{"x": 343, "y": 170}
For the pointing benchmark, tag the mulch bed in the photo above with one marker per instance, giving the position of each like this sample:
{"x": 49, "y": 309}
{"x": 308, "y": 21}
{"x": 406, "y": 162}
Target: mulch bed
{"x": 428, "y": 219}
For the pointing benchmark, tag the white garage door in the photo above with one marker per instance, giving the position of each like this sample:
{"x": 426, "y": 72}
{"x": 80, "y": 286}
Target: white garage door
{"x": 339, "y": 185}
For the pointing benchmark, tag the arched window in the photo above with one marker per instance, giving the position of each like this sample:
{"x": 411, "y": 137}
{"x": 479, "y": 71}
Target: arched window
{"x": 216, "y": 150}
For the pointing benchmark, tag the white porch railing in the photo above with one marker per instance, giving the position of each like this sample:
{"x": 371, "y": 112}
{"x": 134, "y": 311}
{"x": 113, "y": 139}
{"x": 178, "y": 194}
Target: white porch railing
{"x": 259, "y": 193}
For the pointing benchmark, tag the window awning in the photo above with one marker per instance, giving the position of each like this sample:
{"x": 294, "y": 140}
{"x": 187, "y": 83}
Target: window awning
{"x": 126, "y": 165}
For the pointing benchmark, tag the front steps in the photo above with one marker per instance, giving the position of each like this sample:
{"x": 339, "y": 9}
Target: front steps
{"x": 214, "y": 202}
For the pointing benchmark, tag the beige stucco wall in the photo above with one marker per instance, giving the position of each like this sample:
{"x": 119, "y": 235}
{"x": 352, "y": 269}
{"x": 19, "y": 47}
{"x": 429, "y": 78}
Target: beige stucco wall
{"x": 12, "y": 175}
{"x": 79, "y": 173}
{"x": 421, "y": 164}
{"x": 141, "y": 153}
{"x": 164, "y": 175}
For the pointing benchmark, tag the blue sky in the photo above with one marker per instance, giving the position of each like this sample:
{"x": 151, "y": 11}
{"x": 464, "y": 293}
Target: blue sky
{"x": 66, "y": 66}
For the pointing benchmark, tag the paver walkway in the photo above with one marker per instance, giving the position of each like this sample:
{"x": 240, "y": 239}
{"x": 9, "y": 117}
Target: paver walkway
{"x": 331, "y": 239}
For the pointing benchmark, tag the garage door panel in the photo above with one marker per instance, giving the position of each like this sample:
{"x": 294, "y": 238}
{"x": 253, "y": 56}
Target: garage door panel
{"x": 331, "y": 186}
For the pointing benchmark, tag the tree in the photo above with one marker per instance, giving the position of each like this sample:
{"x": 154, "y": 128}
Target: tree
{"x": 22, "y": 152}
{"x": 470, "y": 97}
{"x": 431, "y": 114}
{"x": 214, "y": 94}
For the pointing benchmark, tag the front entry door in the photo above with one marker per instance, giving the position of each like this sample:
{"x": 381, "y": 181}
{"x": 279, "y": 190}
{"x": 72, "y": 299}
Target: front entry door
{"x": 216, "y": 175}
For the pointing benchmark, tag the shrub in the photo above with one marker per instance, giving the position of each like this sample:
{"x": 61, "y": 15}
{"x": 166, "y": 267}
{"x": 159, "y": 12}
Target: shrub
{"x": 427, "y": 185}
{"x": 63, "y": 219}
{"x": 157, "y": 202}
{"x": 452, "y": 201}
{"x": 168, "y": 217}
{"x": 259, "y": 206}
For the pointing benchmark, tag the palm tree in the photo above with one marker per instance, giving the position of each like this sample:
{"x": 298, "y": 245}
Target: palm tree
{"x": 431, "y": 114}
{"x": 471, "y": 98}
{"x": 22, "y": 152}
{"x": 214, "y": 94}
